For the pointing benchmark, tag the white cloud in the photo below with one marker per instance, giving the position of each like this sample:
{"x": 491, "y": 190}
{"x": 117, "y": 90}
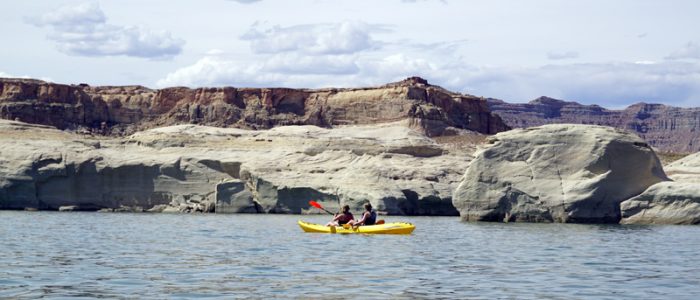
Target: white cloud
{"x": 614, "y": 85}
{"x": 82, "y": 17}
{"x": 562, "y": 55}
{"x": 340, "y": 38}
{"x": 83, "y": 30}
{"x": 300, "y": 64}
{"x": 415, "y": 1}
{"x": 215, "y": 52}
{"x": 8, "y": 75}
{"x": 246, "y": 1}
{"x": 346, "y": 54}
{"x": 278, "y": 70}
{"x": 689, "y": 51}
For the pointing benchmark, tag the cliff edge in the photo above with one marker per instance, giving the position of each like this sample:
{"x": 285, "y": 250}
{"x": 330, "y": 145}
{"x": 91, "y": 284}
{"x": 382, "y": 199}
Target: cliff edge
{"x": 123, "y": 110}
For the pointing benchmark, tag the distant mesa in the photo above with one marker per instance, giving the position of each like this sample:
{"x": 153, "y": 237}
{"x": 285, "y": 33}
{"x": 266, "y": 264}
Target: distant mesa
{"x": 120, "y": 110}
{"x": 666, "y": 128}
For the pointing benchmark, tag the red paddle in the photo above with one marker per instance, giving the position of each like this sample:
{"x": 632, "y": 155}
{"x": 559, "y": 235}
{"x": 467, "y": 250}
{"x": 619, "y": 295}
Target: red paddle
{"x": 316, "y": 205}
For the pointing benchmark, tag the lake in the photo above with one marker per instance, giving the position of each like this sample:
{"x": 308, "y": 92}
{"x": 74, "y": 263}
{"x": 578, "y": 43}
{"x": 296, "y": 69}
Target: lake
{"x": 67, "y": 255}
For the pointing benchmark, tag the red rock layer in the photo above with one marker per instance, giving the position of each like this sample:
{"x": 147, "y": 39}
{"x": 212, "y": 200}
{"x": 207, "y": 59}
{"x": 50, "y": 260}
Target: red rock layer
{"x": 125, "y": 109}
{"x": 667, "y": 128}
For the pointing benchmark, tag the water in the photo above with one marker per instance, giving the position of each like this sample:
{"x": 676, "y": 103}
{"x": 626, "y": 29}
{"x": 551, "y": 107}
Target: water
{"x": 69, "y": 255}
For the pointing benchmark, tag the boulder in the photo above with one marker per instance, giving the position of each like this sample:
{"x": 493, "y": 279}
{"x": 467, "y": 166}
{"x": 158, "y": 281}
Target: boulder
{"x": 664, "y": 203}
{"x": 686, "y": 169}
{"x": 556, "y": 173}
{"x": 233, "y": 197}
{"x": 68, "y": 208}
{"x": 674, "y": 202}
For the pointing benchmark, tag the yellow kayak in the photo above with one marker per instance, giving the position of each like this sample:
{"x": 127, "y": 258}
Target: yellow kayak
{"x": 386, "y": 228}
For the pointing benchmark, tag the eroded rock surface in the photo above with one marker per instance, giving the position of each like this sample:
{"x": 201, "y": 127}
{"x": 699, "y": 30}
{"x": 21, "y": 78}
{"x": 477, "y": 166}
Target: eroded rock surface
{"x": 672, "y": 202}
{"x": 118, "y": 110}
{"x": 557, "y": 173}
{"x": 199, "y": 168}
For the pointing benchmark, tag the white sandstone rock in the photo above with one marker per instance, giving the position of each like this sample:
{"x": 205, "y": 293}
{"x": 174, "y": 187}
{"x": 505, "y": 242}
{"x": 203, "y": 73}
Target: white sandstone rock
{"x": 556, "y": 173}
{"x": 190, "y": 168}
{"x": 664, "y": 203}
{"x": 673, "y": 202}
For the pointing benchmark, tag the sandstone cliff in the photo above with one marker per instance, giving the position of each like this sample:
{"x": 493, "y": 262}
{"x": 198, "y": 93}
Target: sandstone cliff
{"x": 191, "y": 167}
{"x": 666, "y": 128}
{"x": 119, "y": 110}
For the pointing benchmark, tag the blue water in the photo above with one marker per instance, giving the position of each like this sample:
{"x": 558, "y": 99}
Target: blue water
{"x": 68, "y": 255}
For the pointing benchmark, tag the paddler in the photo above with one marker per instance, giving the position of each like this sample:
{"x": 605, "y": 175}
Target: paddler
{"x": 344, "y": 217}
{"x": 369, "y": 217}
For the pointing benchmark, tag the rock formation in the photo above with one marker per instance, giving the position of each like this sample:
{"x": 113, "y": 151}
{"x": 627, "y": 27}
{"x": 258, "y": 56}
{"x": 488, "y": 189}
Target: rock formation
{"x": 666, "y": 128}
{"x": 126, "y": 109}
{"x": 556, "y": 173}
{"x": 403, "y": 146}
{"x": 199, "y": 168}
{"x": 672, "y": 202}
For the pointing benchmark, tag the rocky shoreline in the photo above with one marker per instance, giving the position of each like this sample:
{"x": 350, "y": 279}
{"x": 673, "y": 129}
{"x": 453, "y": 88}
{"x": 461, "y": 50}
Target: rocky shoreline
{"x": 199, "y": 168}
{"x": 408, "y": 148}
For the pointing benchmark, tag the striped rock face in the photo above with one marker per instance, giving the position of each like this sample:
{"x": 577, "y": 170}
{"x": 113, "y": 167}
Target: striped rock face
{"x": 121, "y": 110}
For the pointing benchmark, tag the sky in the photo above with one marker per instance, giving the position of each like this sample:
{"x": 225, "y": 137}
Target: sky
{"x": 610, "y": 53}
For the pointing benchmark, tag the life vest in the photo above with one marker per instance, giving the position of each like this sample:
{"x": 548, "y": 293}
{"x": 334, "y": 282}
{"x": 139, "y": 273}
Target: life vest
{"x": 372, "y": 218}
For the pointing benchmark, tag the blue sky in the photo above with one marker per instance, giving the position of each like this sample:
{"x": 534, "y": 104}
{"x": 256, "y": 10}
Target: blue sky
{"x": 612, "y": 53}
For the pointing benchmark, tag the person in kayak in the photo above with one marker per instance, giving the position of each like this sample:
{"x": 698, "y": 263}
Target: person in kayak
{"x": 341, "y": 218}
{"x": 369, "y": 217}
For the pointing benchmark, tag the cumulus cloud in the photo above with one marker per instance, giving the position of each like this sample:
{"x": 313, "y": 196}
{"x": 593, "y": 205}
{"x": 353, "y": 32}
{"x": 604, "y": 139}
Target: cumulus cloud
{"x": 278, "y": 70}
{"x": 83, "y": 30}
{"x": 562, "y": 55}
{"x": 689, "y": 51}
{"x": 302, "y": 55}
{"x": 339, "y": 38}
{"x": 613, "y": 84}
{"x": 343, "y": 55}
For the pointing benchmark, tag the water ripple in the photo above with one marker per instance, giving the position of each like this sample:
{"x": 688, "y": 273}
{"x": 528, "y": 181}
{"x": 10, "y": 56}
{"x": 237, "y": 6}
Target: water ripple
{"x": 70, "y": 255}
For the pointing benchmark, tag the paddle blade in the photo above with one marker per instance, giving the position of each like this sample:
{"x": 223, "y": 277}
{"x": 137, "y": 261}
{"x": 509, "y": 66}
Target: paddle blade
{"x": 315, "y": 204}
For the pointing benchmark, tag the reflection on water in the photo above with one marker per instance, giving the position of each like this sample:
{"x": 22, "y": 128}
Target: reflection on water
{"x": 56, "y": 255}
